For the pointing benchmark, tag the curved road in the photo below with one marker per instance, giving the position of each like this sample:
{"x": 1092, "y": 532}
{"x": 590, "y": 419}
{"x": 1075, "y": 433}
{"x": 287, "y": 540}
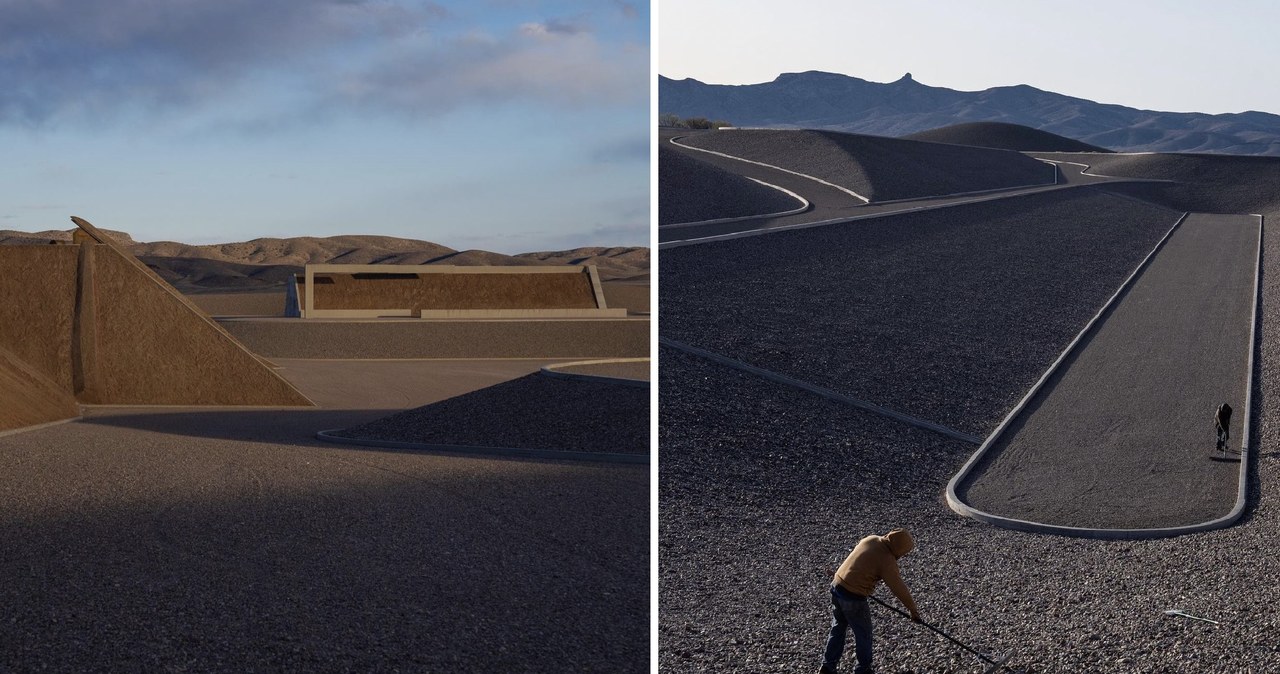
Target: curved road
{"x": 1121, "y": 436}
{"x": 829, "y": 204}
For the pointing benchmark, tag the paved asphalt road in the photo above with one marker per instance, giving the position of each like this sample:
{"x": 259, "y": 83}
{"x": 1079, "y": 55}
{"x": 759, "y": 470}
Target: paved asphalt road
{"x": 225, "y": 539}
{"x": 1122, "y": 435}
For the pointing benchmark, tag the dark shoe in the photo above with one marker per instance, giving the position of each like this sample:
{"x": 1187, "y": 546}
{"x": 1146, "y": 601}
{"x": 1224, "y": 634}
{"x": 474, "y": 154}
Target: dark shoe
{"x": 827, "y": 670}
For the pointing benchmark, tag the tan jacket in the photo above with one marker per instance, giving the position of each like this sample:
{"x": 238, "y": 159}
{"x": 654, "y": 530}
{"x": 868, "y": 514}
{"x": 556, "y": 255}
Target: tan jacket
{"x": 874, "y": 559}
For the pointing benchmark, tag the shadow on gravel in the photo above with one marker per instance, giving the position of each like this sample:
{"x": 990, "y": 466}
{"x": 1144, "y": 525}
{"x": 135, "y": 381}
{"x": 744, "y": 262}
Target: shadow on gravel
{"x": 276, "y": 427}
{"x": 398, "y": 569}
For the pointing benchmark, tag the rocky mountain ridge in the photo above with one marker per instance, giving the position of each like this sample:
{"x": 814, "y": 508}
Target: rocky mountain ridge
{"x": 838, "y": 102}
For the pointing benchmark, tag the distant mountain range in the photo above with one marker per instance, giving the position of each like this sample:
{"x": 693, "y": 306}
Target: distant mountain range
{"x": 268, "y": 262}
{"x": 820, "y": 100}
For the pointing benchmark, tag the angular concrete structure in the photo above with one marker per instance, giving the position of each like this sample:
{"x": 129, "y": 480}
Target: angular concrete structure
{"x": 446, "y": 291}
{"x": 94, "y": 323}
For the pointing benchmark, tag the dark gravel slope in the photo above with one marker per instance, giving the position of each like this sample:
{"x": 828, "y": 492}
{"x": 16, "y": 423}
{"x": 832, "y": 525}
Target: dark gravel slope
{"x": 1003, "y": 136}
{"x": 534, "y": 411}
{"x": 763, "y": 490}
{"x": 880, "y": 169}
{"x": 691, "y": 191}
{"x": 1204, "y": 183}
{"x": 949, "y": 315}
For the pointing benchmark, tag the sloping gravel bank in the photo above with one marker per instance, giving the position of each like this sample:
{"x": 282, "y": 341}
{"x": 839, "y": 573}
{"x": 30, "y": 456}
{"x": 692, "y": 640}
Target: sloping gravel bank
{"x": 1205, "y": 183}
{"x": 877, "y": 168}
{"x": 947, "y": 315}
{"x": 1003, "y": 136}
{"x": 691, "y": 191}
{"x": 534, "y": 411}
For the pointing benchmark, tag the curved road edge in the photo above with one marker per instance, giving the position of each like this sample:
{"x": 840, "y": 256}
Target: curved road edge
{"x": 804, "y": 206}
{"x": 959, "y": 506}
{"x": 846, "y": 190}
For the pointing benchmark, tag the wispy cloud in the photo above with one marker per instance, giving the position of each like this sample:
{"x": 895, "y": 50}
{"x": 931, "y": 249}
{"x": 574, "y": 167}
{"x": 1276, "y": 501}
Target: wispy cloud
{"x": 634, "y": 148}
{"x": 552, "y": 68}
{"x": 87, "y": 61}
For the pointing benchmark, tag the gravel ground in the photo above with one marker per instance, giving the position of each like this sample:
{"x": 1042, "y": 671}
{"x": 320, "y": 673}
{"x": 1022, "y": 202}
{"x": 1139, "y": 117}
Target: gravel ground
{"x": 216, "y": 540}
{"x": 693, "y": 191}
{"x": 534, "y": 411}
{"x": 880, "y": 169}
{"x": 765, "y": 488}
{"x": 947, "y": 315}
{"x": 1206, "y": 183}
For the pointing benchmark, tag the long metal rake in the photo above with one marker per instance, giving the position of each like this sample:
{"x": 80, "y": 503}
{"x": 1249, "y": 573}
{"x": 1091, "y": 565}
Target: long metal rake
{"x": 993, "y": 664}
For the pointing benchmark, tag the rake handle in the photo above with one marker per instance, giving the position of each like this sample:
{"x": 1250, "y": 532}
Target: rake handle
{"x": 940, "y": 633}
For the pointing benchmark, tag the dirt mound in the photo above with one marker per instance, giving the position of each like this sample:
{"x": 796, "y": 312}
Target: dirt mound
{"x": 1003, "y": 136}
{"x": 691, "y": 191}
{"x": 878, "y": 168}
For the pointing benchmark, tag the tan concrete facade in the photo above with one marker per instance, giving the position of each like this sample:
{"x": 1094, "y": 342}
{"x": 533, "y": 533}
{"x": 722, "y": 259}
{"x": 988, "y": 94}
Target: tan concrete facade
{"x": 445, "y": 291}
{"x": 37, "y": 307}
{"x": 28, "y": 398}
{"x": 95, "y": 325}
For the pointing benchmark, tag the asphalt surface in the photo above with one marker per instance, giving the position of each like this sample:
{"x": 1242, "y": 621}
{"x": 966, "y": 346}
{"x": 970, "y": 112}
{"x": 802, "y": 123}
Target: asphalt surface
{"x": 1122, "y": 436}
{"x": 219, "y": 539}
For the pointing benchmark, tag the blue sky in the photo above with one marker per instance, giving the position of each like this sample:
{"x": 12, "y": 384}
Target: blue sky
{"x": 1172, "y": 55}
{"x": 505, "y": 125}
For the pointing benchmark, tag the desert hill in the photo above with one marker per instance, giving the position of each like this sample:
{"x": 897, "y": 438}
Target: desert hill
{"x": 819, "y": 100}
{"x": 268, "y": 262}
{"x": 879, "y": 168}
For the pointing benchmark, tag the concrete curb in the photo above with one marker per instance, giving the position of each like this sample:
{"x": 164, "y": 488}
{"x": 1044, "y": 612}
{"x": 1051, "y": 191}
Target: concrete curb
{"x": 839, "y": 221}
{"x": 554, "y": 371}
{"x": 604, "y": 457}
{"x": 776, "y": 168}
{"x": 804, "y": 206}
{"x": 957, "y": 505}
{"x": 819, "y": 390}
{"x": 36, "y": 427}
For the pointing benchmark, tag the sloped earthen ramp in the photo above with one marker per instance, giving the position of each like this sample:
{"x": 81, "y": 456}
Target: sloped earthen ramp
{"x": 1119, "y": 440}
{"x": 102, "y": 328}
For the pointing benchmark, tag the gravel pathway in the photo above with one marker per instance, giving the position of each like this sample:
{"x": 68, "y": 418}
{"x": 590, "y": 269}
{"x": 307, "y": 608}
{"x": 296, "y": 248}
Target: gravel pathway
{"x": 1120, "y": 436}
{"x": 534, "y": 411}
{"x": 877, "y": 168}
{"x": 946, "y": 315}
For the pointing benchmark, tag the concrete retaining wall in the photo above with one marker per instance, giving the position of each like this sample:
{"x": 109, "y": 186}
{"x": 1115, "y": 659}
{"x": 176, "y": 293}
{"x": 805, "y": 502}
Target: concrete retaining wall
{"x": 396, "y": 338}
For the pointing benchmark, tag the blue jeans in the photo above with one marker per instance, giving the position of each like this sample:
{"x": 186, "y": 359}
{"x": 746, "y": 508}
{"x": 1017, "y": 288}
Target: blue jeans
{"x": 848, "y": 611}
